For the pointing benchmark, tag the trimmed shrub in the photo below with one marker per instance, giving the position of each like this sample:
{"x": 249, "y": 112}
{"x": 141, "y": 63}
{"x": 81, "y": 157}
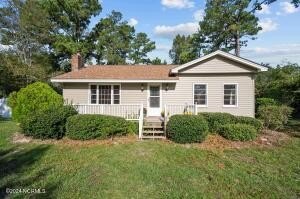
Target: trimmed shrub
{"x": 274, "y": 117}
{"x": 265, "y": 101}
{"x": 34, "y": 98}
{"x": 257, "y": 124}
{"x": 216, "y": 120}
{"x": 86, "y": 127}
{"x": 48, "y": 123}
{"x": 187, "y": 128}
{"x": 133, "y": 127}
{"x": 238, "y": 132}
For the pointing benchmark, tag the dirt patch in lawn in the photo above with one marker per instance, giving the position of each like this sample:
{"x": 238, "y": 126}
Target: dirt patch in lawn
{"x": 20, "y": 138}
{"x": 267, "y": 138}
{"x": 213, "y": 142}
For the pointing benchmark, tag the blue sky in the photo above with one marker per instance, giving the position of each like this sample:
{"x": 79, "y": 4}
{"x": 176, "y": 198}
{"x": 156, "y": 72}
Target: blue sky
{"x": 162, "y": 19}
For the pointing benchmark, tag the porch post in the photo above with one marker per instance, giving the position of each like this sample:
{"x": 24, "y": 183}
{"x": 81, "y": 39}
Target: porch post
{"x": 166, "y": 118}
{"x": 195, "y": 109}
{"x": 141, "y": 120}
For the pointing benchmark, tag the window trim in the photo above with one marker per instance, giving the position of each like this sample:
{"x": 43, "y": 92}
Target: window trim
{"x": 236, "y": 98}
{"x": 206, "y": 96}
{"x": 111, "y": 93}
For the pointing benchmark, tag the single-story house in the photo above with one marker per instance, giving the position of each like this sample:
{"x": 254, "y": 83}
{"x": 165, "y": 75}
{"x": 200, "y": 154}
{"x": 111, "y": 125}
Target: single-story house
{"x": 217, "y": 82}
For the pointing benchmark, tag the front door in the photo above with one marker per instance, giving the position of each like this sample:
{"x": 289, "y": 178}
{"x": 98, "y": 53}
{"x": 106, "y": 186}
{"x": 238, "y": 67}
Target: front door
{"x": 154, "y": 102}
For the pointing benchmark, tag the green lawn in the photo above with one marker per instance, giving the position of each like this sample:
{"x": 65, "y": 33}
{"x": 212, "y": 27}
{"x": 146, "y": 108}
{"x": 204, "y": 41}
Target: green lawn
{"x": 148, "y": 169}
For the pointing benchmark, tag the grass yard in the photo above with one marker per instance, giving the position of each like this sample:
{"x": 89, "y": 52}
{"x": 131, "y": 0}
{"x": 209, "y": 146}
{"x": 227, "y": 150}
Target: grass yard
{"x": 148, "y": 169}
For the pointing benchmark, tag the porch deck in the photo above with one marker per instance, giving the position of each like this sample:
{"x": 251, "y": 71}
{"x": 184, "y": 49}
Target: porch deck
{"x": 150, "y": 127}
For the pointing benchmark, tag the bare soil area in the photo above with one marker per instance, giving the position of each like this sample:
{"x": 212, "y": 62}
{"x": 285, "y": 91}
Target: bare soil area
{"x": 213, "y": 142}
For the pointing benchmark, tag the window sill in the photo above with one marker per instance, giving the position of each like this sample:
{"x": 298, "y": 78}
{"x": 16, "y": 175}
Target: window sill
{"x": 201, "y": 106}
{"x": 230, "y": 106}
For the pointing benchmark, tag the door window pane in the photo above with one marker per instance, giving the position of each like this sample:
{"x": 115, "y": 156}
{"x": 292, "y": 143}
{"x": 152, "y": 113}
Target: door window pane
{"x": 154, "y": 91}
{"x": 154, "y": 102}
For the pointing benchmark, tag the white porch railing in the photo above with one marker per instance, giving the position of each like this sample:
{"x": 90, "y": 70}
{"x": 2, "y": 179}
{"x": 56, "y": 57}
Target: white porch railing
{"x": 134, "y": 111}
{"x": 127, "y": 111}
{"x": 174, "y": 109}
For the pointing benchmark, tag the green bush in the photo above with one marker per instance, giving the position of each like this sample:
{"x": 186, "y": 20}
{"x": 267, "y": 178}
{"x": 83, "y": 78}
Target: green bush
{"x": 48, "y": 123}
{"x": 216, "y": 120}
{"x": 34, "y": 98}
{"x": 133, "y": 127}
{"x": 257, "y": 124}
{"x": 86, "y": 127}
{"x": 265, "y": 101}
{"x": 274, "y": 117}
{"x": 187, "y": 128}
{"x": 238, "y": 132}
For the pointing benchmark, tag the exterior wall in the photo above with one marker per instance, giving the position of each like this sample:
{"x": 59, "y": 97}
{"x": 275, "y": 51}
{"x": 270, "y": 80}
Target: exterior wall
{"x": 215, "y": 65}
{"x": 76, "y": 93}
{"x": 131, "y": 93}
{"x": 182, "y": 92}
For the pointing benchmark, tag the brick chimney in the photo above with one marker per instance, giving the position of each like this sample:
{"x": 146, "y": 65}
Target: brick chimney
{"x": 76, "y": 62}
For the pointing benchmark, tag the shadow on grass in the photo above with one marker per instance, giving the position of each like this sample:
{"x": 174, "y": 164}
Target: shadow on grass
{"x": 16, "y": 172}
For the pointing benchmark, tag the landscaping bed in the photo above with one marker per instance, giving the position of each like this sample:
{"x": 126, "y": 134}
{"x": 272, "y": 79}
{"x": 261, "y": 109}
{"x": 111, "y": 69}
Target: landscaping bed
{"x": 147, "y": 169}
{"x": 267, "y": 138}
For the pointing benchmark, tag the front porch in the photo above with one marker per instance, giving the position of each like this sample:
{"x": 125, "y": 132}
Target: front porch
{"x": 152, "y": 127}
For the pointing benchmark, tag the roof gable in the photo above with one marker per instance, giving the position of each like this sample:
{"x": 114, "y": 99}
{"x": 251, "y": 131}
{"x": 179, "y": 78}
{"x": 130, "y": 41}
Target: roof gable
{"x": 241, "y": 64}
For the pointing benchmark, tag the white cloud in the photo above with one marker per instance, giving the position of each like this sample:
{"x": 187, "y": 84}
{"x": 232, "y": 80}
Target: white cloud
{"x": 274, "y": 54}
{"x": 5, "y": 47}
{"x": 133, "y": 22}
{"x": 199, "y": 15}
{"x": 163, "y": 47}
{"x": 265, "y": 9}
{"x": 179, "y": 4}
{"x": 267, "y": 25}
{"x": 171, "y": 31}
{"x": 288, "y": 8}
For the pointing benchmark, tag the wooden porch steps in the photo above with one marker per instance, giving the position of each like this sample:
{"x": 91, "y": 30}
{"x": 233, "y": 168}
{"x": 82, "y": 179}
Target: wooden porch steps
{"x": 153, "y": 128}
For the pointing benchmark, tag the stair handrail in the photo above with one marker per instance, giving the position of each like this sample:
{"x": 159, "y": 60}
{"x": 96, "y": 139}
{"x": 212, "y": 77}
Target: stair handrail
{"x": 141, "y": 120}
{"x": 165, "y": 119}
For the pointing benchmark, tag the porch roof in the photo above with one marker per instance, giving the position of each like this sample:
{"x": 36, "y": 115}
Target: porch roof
{"x": 119, "y": 73}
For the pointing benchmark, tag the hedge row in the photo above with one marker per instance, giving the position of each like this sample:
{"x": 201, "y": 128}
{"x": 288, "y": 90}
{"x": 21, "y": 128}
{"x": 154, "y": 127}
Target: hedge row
{"x": 194, "y": 128}
{"x": 49, "y": 123}
{"x": 238, "y": 132}
{"x": 217, "y": 120}
{"x": 233, "y": 127}
{"x": 86, "y": 127}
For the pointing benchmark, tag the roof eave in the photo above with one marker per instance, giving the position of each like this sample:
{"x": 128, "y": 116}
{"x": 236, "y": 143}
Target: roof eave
{"x": 112, "y": 80}
{"x": 224, "y": 54}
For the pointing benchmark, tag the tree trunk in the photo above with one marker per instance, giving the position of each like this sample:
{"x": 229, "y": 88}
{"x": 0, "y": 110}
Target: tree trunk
{"x": 237, "y": 44}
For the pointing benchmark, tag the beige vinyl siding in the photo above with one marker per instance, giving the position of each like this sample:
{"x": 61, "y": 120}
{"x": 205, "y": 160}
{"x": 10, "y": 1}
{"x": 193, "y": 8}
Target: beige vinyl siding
{"x": 217, "y": 64}
{"x": 131, "y": 93}
{"x": 76, "y": 93}
{"x": 182, "y": 92}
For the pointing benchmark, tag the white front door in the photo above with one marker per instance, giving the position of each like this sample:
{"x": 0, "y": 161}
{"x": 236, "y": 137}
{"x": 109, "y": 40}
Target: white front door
{"x": 154, "y": 101}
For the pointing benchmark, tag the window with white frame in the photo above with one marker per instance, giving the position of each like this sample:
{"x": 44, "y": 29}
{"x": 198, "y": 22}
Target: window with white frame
{"x": 93, "y": 94}
{"x": 105, "y": 94}
{"x": 230, "y": 94}
{"x": 200, "y": 94}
